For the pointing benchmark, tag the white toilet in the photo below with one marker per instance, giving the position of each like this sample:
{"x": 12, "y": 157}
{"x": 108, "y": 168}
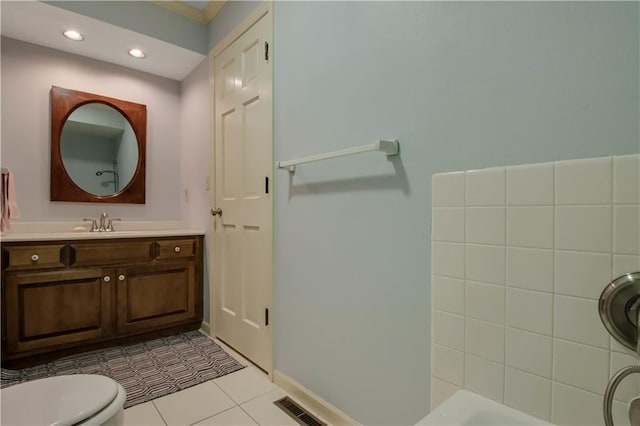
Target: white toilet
{"x": 78, "y": 399}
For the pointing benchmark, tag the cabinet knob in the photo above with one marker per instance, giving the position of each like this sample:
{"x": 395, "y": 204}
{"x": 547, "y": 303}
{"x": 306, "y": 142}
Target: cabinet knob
{"x": 177, "y": 249}
{"x": 107, "y": 279}
{"x": 121, "y": 277}
{"x": 35, "y": 258}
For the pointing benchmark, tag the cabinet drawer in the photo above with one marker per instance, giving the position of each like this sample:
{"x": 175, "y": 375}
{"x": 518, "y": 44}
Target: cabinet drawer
{"x": 110, "y": 253}
{"x": 175, "y": 249}
{"x": 34, "y": 256}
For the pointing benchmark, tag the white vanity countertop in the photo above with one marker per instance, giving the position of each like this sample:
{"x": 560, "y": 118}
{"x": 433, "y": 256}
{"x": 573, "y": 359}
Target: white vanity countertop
{"x": 52, "y": 231}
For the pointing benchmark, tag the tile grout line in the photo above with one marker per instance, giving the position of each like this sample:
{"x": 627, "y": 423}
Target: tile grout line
{"x": 213, "y": 415}
{"x": 464, "y": 275}
{"x": 612, "y": 250}
{"x": 504, "y": 314}
{"x": 553, "y": 293}
{"x": 248, "y": 400}
{"x": 158, "y": 411}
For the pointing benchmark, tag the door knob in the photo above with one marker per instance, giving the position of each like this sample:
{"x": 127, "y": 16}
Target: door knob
{"x": 216, "y": 212}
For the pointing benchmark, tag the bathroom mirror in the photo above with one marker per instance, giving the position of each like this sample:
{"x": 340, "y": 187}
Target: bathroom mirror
{"x": 97, "y": 148}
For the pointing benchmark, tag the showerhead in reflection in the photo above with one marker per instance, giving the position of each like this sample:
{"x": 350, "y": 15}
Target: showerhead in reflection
{"x": 116, "y": 183}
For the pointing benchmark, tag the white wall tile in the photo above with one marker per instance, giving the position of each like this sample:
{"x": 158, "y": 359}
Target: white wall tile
{"x": 582, "y": 366}
{"x": 441, "y": 391}
{"x": 629, "y": 388}
{"x": 448, "y": 330}
{"x": 626, "y": 179}
{"x": 582, "y": 274}
{"x": 448, "y": 224}
{"x": 485, "y": 301}
{"x": 529, "y": 352}
{"x": 485, "y": 263}
{"x": 486, "y": 187}
{"x": 448, "y": 294}
{"x": 623, "y": 264}
{"x": 584, "y": 228}
{"x": 530, "y": 227}
{"x": 575, "y": 407}
{"x": 626, "y": 229}
{"x": 447, "y": 259}
{"x": 484, "y": 377}
{"x": 485, "y": 225}
{"x": 577, "y": 320}
{"x": 528, "y": 393}
{"x": 619, "y": 347}
{"x": 484, "y": 339}
{"x": 448, "y": 189}
{"x": 530, "y": 268}
{"x": 530, "y": 310}
{"x": 448, "y": 364}
{"x": 584, "y": 181}
{"x": 552, "y": 234}
{"x": 531, "y": 184}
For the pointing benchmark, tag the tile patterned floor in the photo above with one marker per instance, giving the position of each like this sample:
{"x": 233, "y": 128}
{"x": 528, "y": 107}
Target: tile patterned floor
{"x": 241, "y": 398}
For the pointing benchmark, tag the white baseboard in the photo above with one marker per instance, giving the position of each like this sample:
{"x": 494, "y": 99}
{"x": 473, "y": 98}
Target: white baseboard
{"x": 205, "y": 327}
{"x": 313, "y": 402}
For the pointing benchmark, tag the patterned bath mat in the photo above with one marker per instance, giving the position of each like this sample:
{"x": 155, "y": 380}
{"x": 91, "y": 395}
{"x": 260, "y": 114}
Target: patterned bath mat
{"x": 146, "y": 370}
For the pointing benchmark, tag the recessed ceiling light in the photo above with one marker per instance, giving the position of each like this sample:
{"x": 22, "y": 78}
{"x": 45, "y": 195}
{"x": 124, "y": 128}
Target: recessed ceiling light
{"x": 137, "y": 53}
{"x": 73, "y": 35}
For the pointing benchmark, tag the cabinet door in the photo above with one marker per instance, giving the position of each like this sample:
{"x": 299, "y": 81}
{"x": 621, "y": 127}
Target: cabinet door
{"x": 154, "y": 296}
{"x": 46, "y": 309}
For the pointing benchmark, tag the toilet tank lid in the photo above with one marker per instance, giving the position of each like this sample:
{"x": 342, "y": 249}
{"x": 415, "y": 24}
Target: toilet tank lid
{"x": 59, "y": 401}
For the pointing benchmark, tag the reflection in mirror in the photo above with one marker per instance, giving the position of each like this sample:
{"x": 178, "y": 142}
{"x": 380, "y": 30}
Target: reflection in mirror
{"x": 97, "y": 148}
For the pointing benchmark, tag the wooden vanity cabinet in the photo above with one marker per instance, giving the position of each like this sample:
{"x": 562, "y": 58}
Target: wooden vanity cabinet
{"x": 65, "y": 297}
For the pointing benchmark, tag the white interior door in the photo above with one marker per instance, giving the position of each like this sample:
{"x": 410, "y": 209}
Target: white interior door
{"x": 243, "y": 176}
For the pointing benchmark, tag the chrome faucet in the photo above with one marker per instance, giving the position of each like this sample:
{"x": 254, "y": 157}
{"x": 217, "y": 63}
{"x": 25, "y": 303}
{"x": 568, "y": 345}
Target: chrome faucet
{"x": 94, "y": 225}
{"x": 103, "y": 219}
{"x": 103, "y": 224}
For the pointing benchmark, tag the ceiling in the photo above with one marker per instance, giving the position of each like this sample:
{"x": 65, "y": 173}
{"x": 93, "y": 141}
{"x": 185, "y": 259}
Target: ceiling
{"x": 42, "y": 24}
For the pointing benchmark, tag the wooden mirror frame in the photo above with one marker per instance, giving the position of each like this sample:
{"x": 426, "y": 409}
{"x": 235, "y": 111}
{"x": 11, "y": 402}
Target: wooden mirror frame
{"x": 63, "y": 188}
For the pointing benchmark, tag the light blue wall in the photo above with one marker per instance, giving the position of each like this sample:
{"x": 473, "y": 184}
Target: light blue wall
{"x": 83, "y": 157}
{"x": 462, "y": 86}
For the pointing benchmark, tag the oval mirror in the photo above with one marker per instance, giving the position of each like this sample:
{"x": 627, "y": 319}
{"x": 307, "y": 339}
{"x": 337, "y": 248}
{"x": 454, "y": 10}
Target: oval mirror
{"x": 97, "y": 148}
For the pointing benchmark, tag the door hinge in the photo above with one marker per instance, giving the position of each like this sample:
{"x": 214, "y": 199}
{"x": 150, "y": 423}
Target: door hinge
{"x": 266, "y": 51}
{"x": 266, "y": 316}
{"x": 266, "y": 184}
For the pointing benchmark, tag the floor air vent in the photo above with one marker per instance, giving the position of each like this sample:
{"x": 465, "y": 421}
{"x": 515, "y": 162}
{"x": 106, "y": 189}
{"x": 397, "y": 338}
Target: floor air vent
{"x": 298, "y": 413}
